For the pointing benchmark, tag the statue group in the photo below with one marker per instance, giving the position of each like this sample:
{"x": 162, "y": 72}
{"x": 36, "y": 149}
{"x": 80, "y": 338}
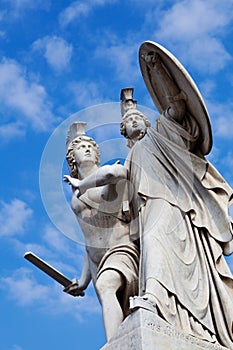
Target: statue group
{"x": 157, "y": 228}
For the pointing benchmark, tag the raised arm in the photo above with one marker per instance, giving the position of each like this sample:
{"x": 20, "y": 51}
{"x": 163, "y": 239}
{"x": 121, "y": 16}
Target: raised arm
{"x": 166, "y": 87}
{"x": 105, "y": 175}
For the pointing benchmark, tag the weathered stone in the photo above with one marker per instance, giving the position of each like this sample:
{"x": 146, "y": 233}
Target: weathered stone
{"x": 179, "y": 203}
{"x": 144, "y": 330}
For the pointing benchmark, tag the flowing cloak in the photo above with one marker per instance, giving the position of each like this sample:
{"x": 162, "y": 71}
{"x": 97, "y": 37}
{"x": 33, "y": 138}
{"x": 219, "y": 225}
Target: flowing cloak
{"x": 194, "y": 286}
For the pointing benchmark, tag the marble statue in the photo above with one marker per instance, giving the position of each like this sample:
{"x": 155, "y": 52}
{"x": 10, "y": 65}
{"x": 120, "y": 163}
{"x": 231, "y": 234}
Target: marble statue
{"x": 100, "y": 205}
{"x": 179, "y": 204}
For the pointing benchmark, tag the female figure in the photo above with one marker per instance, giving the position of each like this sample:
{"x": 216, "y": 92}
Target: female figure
{"x": 180, "y": 203}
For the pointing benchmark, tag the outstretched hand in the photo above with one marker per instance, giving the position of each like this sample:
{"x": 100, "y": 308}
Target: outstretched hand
{"x": 72, "y": 181}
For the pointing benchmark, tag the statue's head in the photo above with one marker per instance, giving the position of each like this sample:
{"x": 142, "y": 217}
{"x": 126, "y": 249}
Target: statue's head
{"x": 80, "y": 149}
{"x": 133, "y": 125}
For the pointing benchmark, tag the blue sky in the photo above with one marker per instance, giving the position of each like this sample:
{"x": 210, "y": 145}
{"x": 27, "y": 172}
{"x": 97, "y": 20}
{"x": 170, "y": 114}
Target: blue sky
{"x": 59, "y": 58}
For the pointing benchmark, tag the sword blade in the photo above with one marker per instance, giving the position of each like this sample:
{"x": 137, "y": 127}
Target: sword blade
{"x": 48, "y": 269}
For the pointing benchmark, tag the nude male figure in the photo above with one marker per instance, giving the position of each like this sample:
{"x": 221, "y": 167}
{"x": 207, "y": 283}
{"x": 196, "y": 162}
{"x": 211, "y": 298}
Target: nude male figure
{"x": 111, "y": 260}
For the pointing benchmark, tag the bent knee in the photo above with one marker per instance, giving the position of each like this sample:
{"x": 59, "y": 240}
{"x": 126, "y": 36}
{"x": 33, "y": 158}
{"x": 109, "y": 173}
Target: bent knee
{"x": 110, "y": 281}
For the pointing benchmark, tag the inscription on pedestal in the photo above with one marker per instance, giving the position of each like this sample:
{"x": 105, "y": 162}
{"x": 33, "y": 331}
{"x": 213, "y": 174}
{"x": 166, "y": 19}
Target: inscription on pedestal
{"x": 174, "y": 333}
{"x": 144, "y": 330}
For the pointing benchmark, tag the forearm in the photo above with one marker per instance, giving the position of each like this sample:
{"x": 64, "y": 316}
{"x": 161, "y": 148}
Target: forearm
{"x": 166, "y": 86}
{"x": 108, "y": 174}
{"x": 85, "y": 278}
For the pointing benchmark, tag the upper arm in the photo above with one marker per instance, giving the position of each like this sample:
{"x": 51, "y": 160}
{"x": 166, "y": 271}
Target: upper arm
{"x": 75, "y": 203}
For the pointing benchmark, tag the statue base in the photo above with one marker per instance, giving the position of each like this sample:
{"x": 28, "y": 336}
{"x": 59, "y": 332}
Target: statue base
{"x": 144, "y": 330}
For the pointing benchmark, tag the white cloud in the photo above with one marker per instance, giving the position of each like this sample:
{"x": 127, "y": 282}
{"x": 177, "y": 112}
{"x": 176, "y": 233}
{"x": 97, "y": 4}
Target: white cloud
{"x": 208, "y": 87}
{"x": 121, "y": 56}
{"x": 14, "y": 217}
{"x": 22, "y": 248}
{"x": 59, "y": 243}
{"x": 59, "y": 251}
{"x": 194, "y": 25}
{"x": 11, "y": 130}
{"x": 223, "y": 126}
{"x": 226, "y": 164}
{"x": 25, "y": 291}
{"x": 79, "y": 9}
{"x": 55, "y": 239}
{"x": 22, "y": 3}
{"x": 86, "y": 93}
{"x": 73, "y": 12}
{"x": 23, "y": 288}
{"x": 16, "y": 347}
{"x": 56, "y": 51}
{"x": 207, "y": 49}
{"x": 80, "y": 308}
{"x": 221, "y": 118}
{"x": 15, "y": 8}
{"x": 23, "y": 98}
{"x": 214, "y": 155}
{"x": 188, "y": 20}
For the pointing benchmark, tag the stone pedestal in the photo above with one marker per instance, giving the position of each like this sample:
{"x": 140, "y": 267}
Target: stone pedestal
{"x": 144, "y": 330}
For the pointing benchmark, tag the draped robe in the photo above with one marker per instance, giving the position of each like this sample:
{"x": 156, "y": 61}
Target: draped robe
{"x": 180, "y": 204}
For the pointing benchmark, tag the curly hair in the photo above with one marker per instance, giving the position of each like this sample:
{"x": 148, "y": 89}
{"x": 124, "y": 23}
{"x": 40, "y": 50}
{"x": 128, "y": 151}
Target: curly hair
{"x": 124, "y": 120}
{"x": 70, "y": 154}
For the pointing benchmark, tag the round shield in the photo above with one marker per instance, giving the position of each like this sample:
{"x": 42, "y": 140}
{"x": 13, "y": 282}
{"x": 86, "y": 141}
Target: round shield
{"x": 194, "y": 102}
